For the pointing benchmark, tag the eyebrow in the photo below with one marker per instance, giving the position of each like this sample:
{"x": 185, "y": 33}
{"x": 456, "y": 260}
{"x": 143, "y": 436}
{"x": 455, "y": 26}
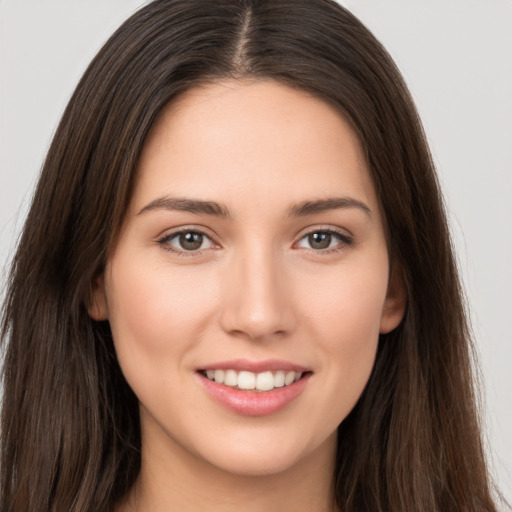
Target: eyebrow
{"x": 186, "y": 205}
{"x": 213, "y": 208}
{"x": 322, "y": 205}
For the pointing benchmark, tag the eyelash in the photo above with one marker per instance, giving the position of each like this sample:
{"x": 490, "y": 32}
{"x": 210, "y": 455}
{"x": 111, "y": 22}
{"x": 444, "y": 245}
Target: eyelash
{"x": 164, "y": 242}
{"x": 343, "y": 239}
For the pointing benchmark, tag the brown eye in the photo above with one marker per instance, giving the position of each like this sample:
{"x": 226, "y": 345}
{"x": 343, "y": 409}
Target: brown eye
{"x": 186, "y": 241}
{"x": 325, "y": 241}
{"x": 190, "y": 241}
{"x": 320, "y": 240}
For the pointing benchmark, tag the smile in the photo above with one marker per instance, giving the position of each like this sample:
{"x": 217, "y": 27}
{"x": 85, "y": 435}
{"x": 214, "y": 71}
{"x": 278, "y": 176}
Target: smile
{"x": 254, "y": 388}
{"x": 250, "y": 381}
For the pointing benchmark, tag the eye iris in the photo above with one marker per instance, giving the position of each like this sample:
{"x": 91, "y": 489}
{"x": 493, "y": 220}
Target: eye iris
{"x": 319, "y": 240}
{"x": 191, "y": 241}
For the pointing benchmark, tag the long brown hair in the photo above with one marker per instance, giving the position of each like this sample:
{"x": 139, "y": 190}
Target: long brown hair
{"x": 70, "y": 424}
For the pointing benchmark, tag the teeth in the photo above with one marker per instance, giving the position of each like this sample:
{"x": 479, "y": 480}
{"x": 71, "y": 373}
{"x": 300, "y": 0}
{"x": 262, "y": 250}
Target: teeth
{"x": 264, "y": 381}
{"x": 219, "y": 376}
{"x": 289, "y": 378}
{"x": 246, "y": 380}
{"x": 230, "y": 378}
{"x": 279, "y": 379}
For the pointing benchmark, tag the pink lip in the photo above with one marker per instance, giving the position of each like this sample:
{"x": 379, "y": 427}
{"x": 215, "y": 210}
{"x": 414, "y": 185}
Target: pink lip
{"x": 248, "y": 365}
{"x": 253, "y": 403}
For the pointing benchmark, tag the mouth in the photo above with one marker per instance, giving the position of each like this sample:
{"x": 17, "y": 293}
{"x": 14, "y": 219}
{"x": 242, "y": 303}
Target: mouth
{"x": 254, "y": 388}
{"x": 256, "y": 382}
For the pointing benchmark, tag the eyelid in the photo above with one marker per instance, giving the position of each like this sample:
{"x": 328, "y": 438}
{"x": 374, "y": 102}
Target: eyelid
{"x": 168, "y": 235}
{"x": 346, "y": 239}
{"x": 312, "y": 228}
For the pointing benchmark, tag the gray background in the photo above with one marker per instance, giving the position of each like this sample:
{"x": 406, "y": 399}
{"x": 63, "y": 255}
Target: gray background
{"x": 456, "y": 56}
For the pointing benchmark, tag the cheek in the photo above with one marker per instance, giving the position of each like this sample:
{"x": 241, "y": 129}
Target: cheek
{"x": 156, "y": 311}
{"x": 344, "y": 318}
{"x": 347, "y": 305}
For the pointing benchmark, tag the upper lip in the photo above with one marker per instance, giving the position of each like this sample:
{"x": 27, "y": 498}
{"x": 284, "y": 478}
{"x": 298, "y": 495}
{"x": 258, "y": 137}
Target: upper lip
{"x": 255, "y": 366}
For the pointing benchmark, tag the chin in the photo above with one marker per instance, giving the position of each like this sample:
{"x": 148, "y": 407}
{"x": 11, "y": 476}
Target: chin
{"x": 269, "y": 456}
{"x": 256, "y": 466}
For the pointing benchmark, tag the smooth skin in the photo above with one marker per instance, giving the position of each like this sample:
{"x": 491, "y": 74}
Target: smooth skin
{"x": 258, "y": 276}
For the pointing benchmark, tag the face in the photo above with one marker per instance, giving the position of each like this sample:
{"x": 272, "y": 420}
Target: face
{"x": 250, "y": 281}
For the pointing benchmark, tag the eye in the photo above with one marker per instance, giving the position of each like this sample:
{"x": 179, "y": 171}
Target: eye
{"x": 324, "y": 240}
{"x": 186, "y": 241}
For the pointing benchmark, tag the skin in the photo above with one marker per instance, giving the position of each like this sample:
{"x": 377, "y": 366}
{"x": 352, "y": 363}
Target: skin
{"x": 257, "y": 289}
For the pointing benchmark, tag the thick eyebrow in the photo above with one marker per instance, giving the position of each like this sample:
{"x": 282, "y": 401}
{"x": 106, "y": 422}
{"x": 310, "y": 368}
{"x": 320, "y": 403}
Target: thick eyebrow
{"x": 199, "y": 206}
{"x": 322, "y": 205}
{"x": 186, "y": 205}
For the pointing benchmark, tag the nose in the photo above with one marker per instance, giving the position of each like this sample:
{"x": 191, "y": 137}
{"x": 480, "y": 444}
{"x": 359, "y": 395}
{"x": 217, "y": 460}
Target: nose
{"x": 259, "y": 297}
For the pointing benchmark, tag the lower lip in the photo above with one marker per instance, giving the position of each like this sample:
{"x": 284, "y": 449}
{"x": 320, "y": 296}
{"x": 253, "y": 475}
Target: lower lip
{"x": 254, "y": 403}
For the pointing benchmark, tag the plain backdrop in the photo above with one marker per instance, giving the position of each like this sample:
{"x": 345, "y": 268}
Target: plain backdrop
{"x": 456, "y": 56}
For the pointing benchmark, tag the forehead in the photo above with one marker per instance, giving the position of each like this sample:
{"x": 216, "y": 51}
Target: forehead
{"x": 257, "y": 141}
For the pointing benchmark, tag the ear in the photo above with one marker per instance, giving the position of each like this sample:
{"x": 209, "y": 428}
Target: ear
{"x": 395, "y": 303}
{"x": 97, "y": 306}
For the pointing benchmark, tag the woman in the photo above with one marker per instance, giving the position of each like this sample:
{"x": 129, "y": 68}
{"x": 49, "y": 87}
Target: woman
{"x": 235, "y": 286}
